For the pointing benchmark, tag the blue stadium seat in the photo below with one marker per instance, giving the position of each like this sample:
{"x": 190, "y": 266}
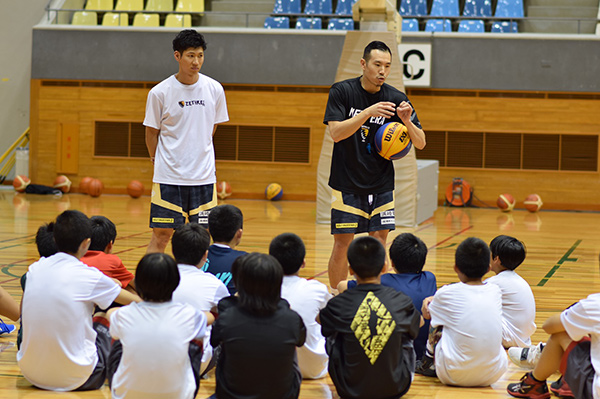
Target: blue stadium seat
{"x": 505, "y": 27}
{"x": 444, "y": 8}
{"x": 410, "y": 25}
{"x": 340, "y": 24}
{"x": 344, "y": 7}
{"x": 413, "y": 7}
{"x": 471, "y": 26}
{"x": 509, "y": 9}
{"x": 277, "y": 23}
{"x": 477, "y": 8}
{"x": 438, "y": 25}
{"x": 318, "y": 7}
{"x": 287, "y": 7}
{"x": 309, "y": 23}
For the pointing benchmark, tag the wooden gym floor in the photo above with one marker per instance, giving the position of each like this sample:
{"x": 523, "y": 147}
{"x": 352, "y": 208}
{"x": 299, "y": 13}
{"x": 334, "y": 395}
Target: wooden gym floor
{"x": 561, "y": 264}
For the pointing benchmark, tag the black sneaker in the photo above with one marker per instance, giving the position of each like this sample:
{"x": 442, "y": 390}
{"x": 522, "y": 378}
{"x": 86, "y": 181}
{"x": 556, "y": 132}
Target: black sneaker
{"x": 561, "y": 389}
{"x": 426, "y": 366}
{"x": 529, "y": 388}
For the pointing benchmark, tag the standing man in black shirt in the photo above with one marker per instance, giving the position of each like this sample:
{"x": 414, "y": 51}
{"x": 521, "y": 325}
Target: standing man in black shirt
{"x": 362, "y": 180}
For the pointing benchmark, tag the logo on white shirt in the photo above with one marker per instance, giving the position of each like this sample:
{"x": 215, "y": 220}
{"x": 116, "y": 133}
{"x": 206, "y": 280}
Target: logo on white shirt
{"x": 183, "y": 104}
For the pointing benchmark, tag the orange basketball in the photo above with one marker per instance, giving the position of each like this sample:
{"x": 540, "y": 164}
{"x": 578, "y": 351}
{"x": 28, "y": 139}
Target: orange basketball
{"x": 533, "y": 203}
{"x": 84, "y": 184}
{"x": 63, "y": 183}
{"x": 505, "y": 202}
{"x": 20, "y": 183}
{"x": 95, "y": 188}
{"x": 223, "y": 189}
{"x": 135, "y": 189}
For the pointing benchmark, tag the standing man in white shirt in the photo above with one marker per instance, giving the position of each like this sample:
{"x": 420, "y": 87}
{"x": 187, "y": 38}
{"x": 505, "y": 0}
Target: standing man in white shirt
{"x": 182, "y": 114}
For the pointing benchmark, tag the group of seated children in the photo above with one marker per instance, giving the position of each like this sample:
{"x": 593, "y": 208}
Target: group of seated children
{"x": 279, "y": 328}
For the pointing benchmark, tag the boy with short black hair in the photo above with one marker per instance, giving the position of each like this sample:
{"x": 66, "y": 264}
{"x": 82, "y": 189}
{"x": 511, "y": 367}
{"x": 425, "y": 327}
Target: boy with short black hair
{"x": 199, "y": 289}
{"x": 159, "y": 347}
{"x": 100, "y": 256}
{"x": 225, "y": 224}
{"x": 518, "y": 303}
{"x": 370, "y": 330}
{"x": 307, "y": 298}
{"x": 63, "y": 349}
{"x": 408, "y": 254}
{"x": 466, "y": 321}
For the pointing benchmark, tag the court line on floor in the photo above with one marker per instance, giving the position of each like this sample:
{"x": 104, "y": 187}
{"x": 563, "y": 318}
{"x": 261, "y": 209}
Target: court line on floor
{"x": 558, "y": 264}
{"x": 434, "y": 246}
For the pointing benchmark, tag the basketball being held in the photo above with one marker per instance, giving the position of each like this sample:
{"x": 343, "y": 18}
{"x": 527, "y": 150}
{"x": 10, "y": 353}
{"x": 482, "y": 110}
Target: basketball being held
{"x": 392, "y": 141}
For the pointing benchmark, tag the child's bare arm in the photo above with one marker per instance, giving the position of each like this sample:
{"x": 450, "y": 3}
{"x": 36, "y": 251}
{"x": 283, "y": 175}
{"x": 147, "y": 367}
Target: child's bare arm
{"x": 126, "y": 297}
{"x": 425, "y": 307}
{"x": 210, "y": 318}
{"x": 342, "y": 286}
{"x": 8, "y": 306}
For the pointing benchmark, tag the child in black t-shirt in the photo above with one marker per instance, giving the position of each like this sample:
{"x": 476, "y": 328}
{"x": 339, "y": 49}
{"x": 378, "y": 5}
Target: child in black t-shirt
{"x": 370, "y": 330}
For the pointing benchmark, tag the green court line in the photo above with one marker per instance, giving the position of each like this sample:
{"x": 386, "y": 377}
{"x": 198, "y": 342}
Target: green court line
{"x": 6, "y": 269}
{"x": 565, "y": 258}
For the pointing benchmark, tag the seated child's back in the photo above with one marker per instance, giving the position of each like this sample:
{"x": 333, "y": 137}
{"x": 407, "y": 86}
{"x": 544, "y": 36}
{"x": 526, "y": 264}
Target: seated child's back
{"x": 470, "y": 351}
{"x": 518, "y": 303}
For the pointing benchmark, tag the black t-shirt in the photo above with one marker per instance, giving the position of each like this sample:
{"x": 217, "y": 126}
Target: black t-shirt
{"x": 258, "y": 354}
{"x": 355, "y": 165}
{"x": 369, "y": 332}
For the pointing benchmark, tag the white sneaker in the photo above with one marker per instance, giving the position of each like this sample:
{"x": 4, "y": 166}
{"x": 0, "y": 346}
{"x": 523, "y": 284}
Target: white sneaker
{"x": 526, "y": 357}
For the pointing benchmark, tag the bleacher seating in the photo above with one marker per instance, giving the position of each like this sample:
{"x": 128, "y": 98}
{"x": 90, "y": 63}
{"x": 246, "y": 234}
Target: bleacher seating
{"x": 318, "y": 7}
{"x": 115, "y": 19}
{"x": 146, "y": 20}
{"x": 190, "y": 6}
{"x": 159, "y": 5}
{"x": 100, "y": 5}
{"x": 277, "y": 23}
{"x": 340, "y": 24}
{"x": 84, "y": 18}
{"x": 477, "y": 8}
{"x": 505, "y": 27}
{"x": 129, "y": 5}
{"x": 410, "y": 25}
{"x": 509, "y": 9}
{"x": 438, "y": 25}
{"x": 413, "y": 7}
{"x": 344, "y": 7}
{"x": 309, "y": 23}
{"x": 287, "y": 7}
{"x": 444, "y": 8}
{"x": 178, "y": 21}
{"x": 471, "y": 26}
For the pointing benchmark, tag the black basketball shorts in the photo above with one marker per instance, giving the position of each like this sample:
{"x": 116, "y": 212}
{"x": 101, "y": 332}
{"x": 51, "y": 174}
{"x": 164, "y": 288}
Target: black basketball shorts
{"x": 171, "y": 205}
{"x": 354, "y": 213}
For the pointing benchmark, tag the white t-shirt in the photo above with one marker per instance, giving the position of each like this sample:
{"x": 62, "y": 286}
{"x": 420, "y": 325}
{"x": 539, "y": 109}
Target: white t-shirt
{"x": 185, "y": 115}
{"x": 155, "y": 339}
{"x": 58, "y": 351}
{"x": 582, "y": 319}
{"x": 470, "y": 352}
{"x": 518, "y": 309}
{"x": 203, "y": 291}
{"x": 307, "y": 298}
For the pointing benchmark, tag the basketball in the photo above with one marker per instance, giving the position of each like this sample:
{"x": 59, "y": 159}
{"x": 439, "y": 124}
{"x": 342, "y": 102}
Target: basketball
{"x": 505, "y": 202}
{"x": 223, "y": 189}
{"x": 95, "y": 188}
{"x": 20, "y": 183}
{"x": 135, "y": 189}
{"x": 273, "y": 192}
{"x": 392, "y": 141}
{"x": 63, "y": 183}
{"x": 84, "y": 184}
{"x": 533, "y": 203}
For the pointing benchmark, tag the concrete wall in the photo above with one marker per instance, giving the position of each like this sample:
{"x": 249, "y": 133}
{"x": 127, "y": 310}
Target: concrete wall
{"x": 16, "y": 21}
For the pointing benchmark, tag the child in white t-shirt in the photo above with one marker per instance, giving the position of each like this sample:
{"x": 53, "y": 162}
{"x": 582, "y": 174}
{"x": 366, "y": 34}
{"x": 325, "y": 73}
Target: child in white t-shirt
{"x": 159, "y": 342}
{"x": 574, "y": 349}
{"x": 518, "y": 303}
{"x": 307, "y": 298}
{"x": 466, "y": 321}
{"x": 200, "y": 289}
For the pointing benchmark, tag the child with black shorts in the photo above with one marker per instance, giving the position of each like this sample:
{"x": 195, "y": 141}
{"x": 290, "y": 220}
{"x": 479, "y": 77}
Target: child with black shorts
{"x": 159, "y": 347}
{"x": 370, "y": 330}
{"x": 572, "y": 349}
